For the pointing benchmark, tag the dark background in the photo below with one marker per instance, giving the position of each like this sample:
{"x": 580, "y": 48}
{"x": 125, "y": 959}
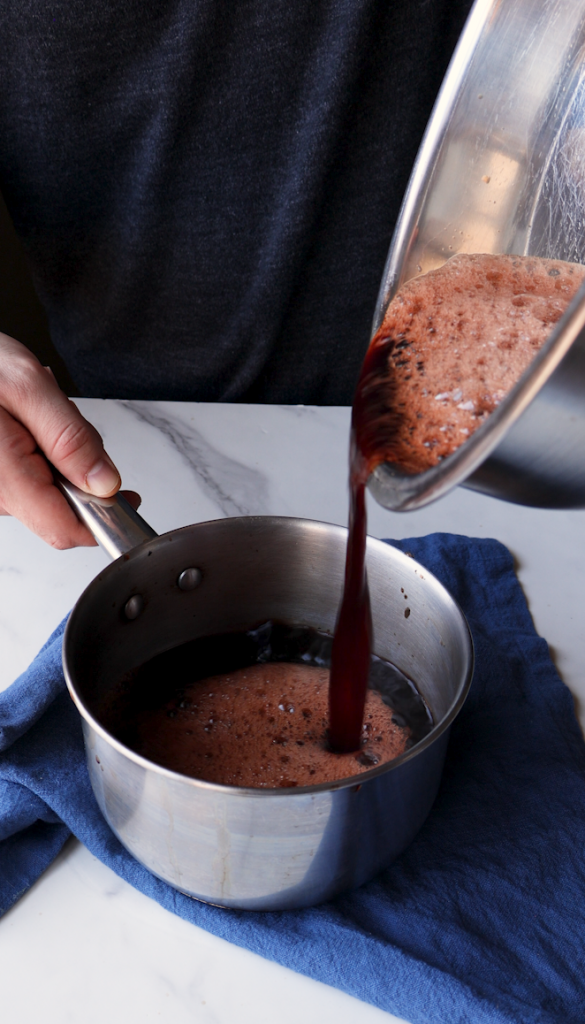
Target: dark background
{"x": 21, "y": 313}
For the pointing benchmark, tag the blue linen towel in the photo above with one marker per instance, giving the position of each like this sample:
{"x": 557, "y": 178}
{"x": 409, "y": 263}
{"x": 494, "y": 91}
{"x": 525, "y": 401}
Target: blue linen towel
{"x": 481, "y": 920}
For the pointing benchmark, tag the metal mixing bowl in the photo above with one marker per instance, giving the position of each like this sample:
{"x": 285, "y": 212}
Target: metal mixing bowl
{"x": 502, "y": 170}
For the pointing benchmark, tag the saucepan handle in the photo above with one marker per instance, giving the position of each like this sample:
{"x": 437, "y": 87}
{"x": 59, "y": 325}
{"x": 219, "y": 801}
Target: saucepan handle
{"x": 112, "y": 521}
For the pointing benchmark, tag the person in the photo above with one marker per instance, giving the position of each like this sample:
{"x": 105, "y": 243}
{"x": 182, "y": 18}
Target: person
{"x": 206, "y": 194}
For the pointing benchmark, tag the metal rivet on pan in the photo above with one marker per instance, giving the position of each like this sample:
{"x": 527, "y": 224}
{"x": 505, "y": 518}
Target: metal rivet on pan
{"x": 134, "y": 606}
{"x": 189, "y": 579}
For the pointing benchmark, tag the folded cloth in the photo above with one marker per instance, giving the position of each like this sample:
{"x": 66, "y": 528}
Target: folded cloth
{"x": 482, "y": 919}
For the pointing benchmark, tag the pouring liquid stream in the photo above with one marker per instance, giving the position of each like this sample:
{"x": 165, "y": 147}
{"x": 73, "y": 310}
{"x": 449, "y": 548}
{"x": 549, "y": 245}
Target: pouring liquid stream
{"x": 374, "y": 424}
{"x": 453, "y": 343}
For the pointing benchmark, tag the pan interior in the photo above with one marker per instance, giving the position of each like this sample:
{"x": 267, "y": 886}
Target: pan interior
{"x": 252, "y": 570}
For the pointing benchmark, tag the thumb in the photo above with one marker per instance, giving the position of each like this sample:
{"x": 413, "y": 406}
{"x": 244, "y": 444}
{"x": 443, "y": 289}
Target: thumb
{"x": 76, "y": 449}
{"x": 32, "y": 396}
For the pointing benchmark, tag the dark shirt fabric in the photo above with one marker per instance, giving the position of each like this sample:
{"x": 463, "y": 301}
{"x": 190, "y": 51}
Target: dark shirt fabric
{"x": 207, "y": 191}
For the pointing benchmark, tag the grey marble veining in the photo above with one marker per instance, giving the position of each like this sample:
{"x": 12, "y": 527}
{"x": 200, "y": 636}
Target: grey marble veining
{"x": 237, "y": 489}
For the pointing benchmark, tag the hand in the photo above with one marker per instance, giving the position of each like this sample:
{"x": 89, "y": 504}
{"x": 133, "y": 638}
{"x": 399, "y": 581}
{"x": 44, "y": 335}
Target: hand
{"x": 38, "y": 420}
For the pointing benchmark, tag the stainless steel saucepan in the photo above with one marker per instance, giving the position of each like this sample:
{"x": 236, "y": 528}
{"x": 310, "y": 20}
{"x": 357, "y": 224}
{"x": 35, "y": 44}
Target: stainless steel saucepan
{"x": 249, "y": 848}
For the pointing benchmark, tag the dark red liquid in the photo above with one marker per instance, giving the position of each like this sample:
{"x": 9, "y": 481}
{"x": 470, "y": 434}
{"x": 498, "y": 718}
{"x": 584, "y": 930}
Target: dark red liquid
{"x": 374, "y": 423}
{"x": 164, "y": 710}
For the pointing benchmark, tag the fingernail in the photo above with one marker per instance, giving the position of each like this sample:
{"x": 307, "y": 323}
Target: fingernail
{"x": 103, "y": 478}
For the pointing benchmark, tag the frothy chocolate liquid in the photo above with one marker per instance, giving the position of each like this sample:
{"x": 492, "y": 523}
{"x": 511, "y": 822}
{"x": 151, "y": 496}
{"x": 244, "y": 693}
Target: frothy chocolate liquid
{"x": 452, "y": 344}
{"x": 250, "y": 709}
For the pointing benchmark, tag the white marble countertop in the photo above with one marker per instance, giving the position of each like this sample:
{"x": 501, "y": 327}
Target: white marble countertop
{"x": 83, "y": 945}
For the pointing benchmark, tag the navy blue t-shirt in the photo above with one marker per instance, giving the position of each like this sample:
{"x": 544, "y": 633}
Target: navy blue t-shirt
{"x": 206, "y": 191}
